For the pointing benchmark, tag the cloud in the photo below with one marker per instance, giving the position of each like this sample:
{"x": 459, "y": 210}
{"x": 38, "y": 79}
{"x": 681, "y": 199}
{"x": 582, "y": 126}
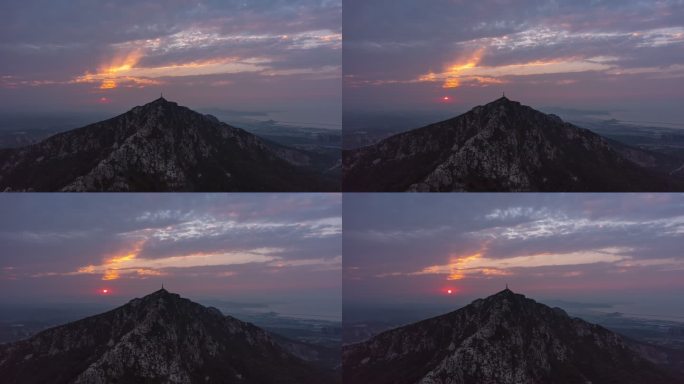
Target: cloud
{"x": 399, "y": 55}
{"x": 286, "y": 55}
{"x": 130, "y": 263}
{"x": 192, "y": 41}
{"x": 461, "y": 266}
{"x": 416, "y": 245}
{"x": 141, "y": 237}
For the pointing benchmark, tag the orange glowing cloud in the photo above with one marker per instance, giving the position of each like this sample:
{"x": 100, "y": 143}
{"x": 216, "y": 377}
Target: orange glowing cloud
{"x": 458, "y": 264}
{"x": 494, "y": 272}
{"x": 468, "y": 70}
{"x": 477, "y": 264}
{"x": 112, "y": 266}
{"x": 111, "y": 274}
{"x": 122, "y": 62}
{"x": 198, "y": 68}
{"x": 454, "y": 71}
{"x": 125, "y": 69}
{"x": 148, "y": 272}
{"x": 455, "y": 270}
{"x": 108, "y": 84}
{"x": 128, "y": 263}
{"x": 109, "y": 72}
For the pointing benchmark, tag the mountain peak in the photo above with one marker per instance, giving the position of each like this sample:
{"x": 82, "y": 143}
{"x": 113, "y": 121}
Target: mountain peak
{"x": 162, "y": 293}
{"x": 506, "y": 293}
{"x": 506, "y": 301}
{"x": 504, "y": 338}
{"x": 161, "y": 146}
{"x": 500, "y": 146}
{"x": 162, "y": 101}
{"x": 161, "y": 298}
{"x": 158, "y": 338}
{"x": 503, "y": 101}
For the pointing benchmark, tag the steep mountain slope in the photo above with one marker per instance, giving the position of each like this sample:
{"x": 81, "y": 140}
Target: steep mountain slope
{"x": 505, "y": 338}
{"x": 160, "y": 338}
{"x": 502, "y": 146}
{"x": 159, "y": 147}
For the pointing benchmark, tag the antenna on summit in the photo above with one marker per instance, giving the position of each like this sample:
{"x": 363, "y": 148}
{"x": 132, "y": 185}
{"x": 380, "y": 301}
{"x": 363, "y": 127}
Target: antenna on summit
{"x": 504, "y": 94}
{"x": 506, "y": 285}
{"x": 162, "y": 285}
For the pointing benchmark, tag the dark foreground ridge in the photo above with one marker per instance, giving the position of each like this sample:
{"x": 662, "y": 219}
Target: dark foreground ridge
{"x": 160, "y": 146}
{"x": 160, "y": 338}
{"x": 503, "y": 146}
{"x": 504, "y": 338}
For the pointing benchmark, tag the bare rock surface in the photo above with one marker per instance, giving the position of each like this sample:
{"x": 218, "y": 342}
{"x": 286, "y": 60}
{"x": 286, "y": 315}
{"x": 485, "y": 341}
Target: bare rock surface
{"x": 504, "y": 339}
{"x": 160, "y": 146}
{"x": 501, "y": 146}
{"x": 160, "y": 338}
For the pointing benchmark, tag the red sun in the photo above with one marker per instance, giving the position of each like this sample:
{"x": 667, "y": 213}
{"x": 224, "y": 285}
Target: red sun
{"x": 449, "y": 291}
{"x": 446, "y": 98}
{"x": 105, "y": 291}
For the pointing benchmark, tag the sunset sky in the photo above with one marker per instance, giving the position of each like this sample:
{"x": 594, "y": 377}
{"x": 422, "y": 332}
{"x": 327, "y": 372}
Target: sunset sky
{"x": 265, "y": 248}
{"x": 623, "y": 249}
{"x": 267, "y": 56}
{"x": 619, "y": 59}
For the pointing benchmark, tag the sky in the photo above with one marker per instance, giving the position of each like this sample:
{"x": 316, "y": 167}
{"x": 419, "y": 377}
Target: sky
{"x": 282, "y": 250}
{"x": 623, "y": 59}
{"x": 623, "y": 250}
{"x": 281, "y": 57}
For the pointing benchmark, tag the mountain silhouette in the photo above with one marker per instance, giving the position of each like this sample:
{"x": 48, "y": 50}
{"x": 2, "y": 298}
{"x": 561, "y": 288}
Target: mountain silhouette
{"x": 160, "y": 146}
{"x": 501, "y": 146}
{"x": 160, "y": 338}
{"x": 504, "y": 338}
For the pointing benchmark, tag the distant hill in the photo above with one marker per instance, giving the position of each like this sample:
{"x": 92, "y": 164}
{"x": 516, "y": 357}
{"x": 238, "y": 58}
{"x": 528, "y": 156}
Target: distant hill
{"x": 161, "y": 146}
{"x": 160, "y": 338}
{"x": 504, "y": 146}
{"x": 505, "y": 338}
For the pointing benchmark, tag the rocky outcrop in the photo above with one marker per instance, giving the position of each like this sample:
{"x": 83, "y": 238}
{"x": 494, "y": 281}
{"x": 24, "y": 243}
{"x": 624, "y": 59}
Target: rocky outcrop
{"x": 159, "y": 146}
{"x": 505, "y": 338}
{"x": 502, "y": 146}
{"x": 160, "y": 338}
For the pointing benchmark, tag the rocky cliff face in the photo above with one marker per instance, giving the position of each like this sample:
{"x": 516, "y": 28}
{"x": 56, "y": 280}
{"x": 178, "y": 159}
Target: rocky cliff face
{"x": 160, "y": 338}
{"x": 505, "y": 338}
{"x": 158, "y": 147}
{"x": 502, "y": 146}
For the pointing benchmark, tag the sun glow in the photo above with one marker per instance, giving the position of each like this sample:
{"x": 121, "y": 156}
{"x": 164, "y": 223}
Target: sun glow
{"x": 454, "y": 71}
{"x": 455, "y": 270}
{"x": 112, "y": 266}
{"x": 108, "y": 84}
{"x": 130, "y": 264}
{"x": 122, "y": 62}
{"x": 125, "y": 70}
{"x": 108, "y": 73}
{"x": 479, "y": 265}
{"x": 468, "y": 71}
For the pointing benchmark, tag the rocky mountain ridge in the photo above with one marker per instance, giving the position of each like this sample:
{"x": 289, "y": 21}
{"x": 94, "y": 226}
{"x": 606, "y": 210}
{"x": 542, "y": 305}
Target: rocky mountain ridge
{"x": 160, "y": 146}
{"x": 501, "y": 146}
{"x": 504, "y": 338}
{"x": 160, "y": 338}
